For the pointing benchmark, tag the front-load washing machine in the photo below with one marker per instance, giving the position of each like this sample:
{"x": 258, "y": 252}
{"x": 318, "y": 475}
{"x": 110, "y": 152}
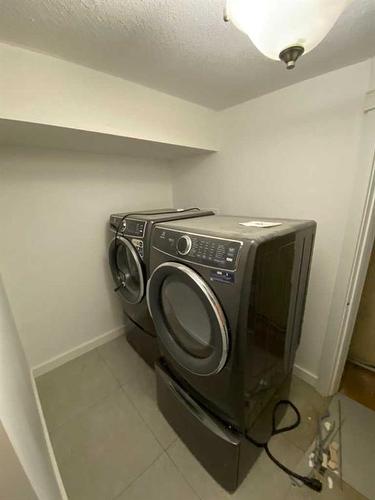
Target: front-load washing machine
{"x": 227, "y": 297}
{"x": 129, "y": 263}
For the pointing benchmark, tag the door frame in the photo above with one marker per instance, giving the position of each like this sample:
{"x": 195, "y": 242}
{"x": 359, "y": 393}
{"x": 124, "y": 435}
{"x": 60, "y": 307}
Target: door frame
{"x": 355, "y": 256}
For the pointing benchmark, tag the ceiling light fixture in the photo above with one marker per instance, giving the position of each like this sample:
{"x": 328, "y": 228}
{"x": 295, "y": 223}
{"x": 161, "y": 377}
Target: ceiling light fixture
{"x": 284, "y": 29}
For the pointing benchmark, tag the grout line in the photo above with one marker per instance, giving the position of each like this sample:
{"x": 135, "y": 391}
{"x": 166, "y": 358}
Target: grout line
{"x": 172, "y": 443}
{"x": 297, "y": 446}
{"x": 79, "y": 413}
{"x": 84, "y": 409}
{"x": 164, "y": 450}
{"x": 87, "y": 408}
{"x": 182, "y": 473}
{"x": 81, "y": 410}
{"x": 145, "y": 421}
{"x": 123, "y": 387}
{"x": 107, "y": 367}
{"x": 139, "y": 475}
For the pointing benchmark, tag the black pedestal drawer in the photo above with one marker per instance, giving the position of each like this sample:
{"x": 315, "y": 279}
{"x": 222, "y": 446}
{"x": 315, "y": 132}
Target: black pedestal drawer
{"x": 222, "y": 452}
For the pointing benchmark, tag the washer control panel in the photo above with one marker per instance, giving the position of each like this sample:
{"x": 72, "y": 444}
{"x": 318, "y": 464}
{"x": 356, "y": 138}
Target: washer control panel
{"x": 138, "y": 244}
{"x": 128, "y": 226}
{"x": 212, "y": 252}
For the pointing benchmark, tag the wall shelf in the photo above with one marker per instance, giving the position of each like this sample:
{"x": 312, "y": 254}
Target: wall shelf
{"x": 22, "y": 133}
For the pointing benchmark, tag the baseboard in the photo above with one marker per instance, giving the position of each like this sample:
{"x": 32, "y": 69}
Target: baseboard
{"x": 66, "y": 356}
{"x": 48, "y": 443}
{"x": 77, "y": 351}
{"x": 305, "y": 375}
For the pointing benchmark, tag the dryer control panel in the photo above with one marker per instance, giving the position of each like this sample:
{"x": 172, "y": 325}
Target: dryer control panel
{"x": 205, "y": 250}
{"x": 128, "y": 226}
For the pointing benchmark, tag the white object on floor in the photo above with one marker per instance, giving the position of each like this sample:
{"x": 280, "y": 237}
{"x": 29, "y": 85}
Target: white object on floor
{"x": 330, "y": 482}
{"x": 358, "y": 444}
{"x": 328, "y": 426}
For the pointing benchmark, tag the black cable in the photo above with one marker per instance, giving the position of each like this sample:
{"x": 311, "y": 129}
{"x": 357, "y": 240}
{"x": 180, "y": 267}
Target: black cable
{"x": 310, "y": 482}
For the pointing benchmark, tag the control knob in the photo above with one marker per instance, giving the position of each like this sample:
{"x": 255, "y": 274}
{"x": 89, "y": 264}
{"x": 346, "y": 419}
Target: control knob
{"x": 184, "y": 245}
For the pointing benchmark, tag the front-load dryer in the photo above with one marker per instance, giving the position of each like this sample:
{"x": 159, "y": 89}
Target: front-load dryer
{"x": 129, "y": 263}
{"x": 227, "y": 299}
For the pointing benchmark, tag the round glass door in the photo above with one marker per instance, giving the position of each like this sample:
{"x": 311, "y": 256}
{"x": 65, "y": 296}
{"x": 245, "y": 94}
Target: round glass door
{"x": 126, "y": 270}
{"x": 188, "y": 318}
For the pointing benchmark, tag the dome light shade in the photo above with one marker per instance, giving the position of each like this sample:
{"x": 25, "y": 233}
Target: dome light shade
{"x": 276, "y": 25}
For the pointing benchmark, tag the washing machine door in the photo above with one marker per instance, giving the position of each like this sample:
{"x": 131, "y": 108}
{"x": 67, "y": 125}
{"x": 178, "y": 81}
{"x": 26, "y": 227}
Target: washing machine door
{"x": 127, "y": 271}
{"x": 188, "y": 318}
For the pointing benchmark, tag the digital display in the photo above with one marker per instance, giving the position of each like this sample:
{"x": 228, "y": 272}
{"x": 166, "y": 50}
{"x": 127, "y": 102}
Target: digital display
{"x": 134, "y": 228}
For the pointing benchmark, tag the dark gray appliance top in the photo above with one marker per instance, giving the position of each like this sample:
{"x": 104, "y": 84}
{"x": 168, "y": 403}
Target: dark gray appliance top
{"x": 228, "y": 226}
{"x": 161, "y": 214}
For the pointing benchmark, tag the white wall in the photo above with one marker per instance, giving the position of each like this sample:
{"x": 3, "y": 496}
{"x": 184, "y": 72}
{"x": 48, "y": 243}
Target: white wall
{"x": 54, "y": 208}
{"x": 292, "y": 153}
{"x": 14, "y": 482}
{"x": 26, "y": 454}
{"x": 42, "y": 89}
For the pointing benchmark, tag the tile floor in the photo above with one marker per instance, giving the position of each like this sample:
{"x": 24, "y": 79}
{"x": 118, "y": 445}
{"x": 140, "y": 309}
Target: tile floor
{"x": 358, "y": 443}
{"x": 111, "y": 442}
{"x": 359, "y": 384}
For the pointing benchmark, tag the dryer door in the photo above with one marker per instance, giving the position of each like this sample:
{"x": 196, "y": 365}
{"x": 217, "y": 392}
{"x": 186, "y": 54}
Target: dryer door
{"x": 127, "y": 272}
{"x": 188, "y": 318}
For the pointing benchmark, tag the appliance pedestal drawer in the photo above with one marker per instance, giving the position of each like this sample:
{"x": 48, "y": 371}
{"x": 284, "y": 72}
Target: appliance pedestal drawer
{"x": 222, "y": 452}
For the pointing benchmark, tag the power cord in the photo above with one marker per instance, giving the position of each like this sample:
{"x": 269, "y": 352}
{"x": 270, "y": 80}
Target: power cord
{"x": 310, "y": 482}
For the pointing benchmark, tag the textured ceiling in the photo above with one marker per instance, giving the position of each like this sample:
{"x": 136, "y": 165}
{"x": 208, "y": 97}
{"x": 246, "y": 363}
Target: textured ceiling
{"x": 181, "y": 47}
